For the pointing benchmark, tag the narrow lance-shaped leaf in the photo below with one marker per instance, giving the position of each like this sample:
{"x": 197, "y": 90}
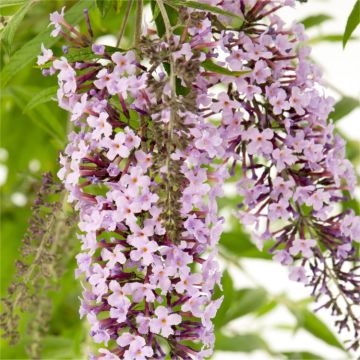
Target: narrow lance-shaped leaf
{"x": 344, "y": 107}
{"x": 228, "y": 291}
{"x": 8, "y": 33}
{"x": 315, "y": 20}
{"x": 104, "y": 6}
{"x": 352, "y": 22}
{"x": 31, "y": 49}
{"x": 210, "y": 66}
{"x": 7, "y": 3}
{"x": 41, "y": 97}
{"x": 204, "y": 7}
{"x": 241, "y": 343}
{"x": 301, "y": 355}
{"x": 329, "y": 38}
{"x": 315, "y": 326}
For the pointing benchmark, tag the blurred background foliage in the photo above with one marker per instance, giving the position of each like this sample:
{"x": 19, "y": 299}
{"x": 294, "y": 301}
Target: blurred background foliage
{"x": 33, "y": 131}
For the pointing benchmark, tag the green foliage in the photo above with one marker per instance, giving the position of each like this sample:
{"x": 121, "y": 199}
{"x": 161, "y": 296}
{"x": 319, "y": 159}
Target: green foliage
{"x": 7, "y": 34}
{"x": 311, "y": 323}
{"x": 315, "y": 20}
{"x": 344, "y": 107}
{"x": 211, "y": 66}
{"x": 352, "y": 22}
{"x": 35, "y": 128}
{"x": 104, "y": 6}
{"x": 41, "y": 97}
{"x": 202, "y": 6}
{"x": 30, "y": 50}
{"x": 302, "y": 355}
{"x": 7, "y": 3}
{"x": 241, "y": 343}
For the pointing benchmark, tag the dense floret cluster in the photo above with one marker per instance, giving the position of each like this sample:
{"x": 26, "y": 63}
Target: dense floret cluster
{"x": 157, "y": 131}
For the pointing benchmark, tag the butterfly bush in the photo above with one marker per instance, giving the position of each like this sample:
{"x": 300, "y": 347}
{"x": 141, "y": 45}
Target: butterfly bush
{"x": 294, "y": 170}
{"x": 151, "y": 148}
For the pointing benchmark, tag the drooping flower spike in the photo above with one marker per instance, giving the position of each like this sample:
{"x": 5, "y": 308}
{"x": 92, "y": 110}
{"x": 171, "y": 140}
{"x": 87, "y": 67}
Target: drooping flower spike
{"x": 294, "y": 170}
{"x": 148, "y": 158}
{"x": 146, "y": 190}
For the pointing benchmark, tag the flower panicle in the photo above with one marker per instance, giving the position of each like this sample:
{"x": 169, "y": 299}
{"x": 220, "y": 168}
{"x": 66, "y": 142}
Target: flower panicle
{"x": 148, "y": 158}
{"x": 143, "y": 188}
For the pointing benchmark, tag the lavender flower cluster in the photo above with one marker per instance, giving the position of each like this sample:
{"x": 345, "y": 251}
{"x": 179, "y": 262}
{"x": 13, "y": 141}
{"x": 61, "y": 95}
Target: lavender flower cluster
{"x": 145, "y": 165}
{"x": 144, "y": 293}
{"x": 294, "y": 170}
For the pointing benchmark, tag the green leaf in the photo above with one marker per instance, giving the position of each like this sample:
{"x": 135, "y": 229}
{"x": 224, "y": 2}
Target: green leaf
{"x": 6, "y": 3}
{"x": 41, "y": 97}
{"x": 246, "y": 301}
{"x": 104, "y": 6}
{"x": 7, "y": 34}
{"x": 311, "y": 323}
{"x": 228, "y": 292}
{"x": 315, "y": 20}
{"x": 344, "y": 107}
{"x": 240, "y": 343}
{"x": 266, "y": 308}
{"x": 302, "y": 355}
{"x": 238, "y": 243}
{"x": 352, "y": 22}
{"x": 27, "y": 54}
{"x": 42, "y": 116}
{"x": 204, "y": 7}
{"x": 159, "y": 22}
{"x": 210, "y": 66}
{"x": 329, "y": 38}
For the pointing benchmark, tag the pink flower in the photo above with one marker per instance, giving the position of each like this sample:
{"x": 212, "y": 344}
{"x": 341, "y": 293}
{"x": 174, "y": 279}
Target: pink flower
{"x": 299, "y": 100}
{"x": 66, "y": 76}
{"x": 184, "y": 51}
{"x": 283, "y": 188}
{"x": 164, "y": 321}
{"x": 248, "y": 89}
{"x": 110, "y": 81}
{"x": 143, "y": 159}
{"x": 188, "y": 282}
{"x": 107, "y": 355}
{"x": 131, "y": 140}
{"x": 304, "y": 246}
{"x": 57, "y": 19}
{"x": 114, "y": 256}
{"x": 235, "y": 60}
{"x": 298, "y": 273}
{"x": 279, "y": 102}
{"x": 101, "y": 126}
{"x": 120, "y": 311}
{"x": 208, "y": 140}
{"x": 279, "y": 210}
{"x": 140, "y": 291}
{"x": 124, "y": 63}
{"x": 116, "y": 146}
{"x": 259, "y": 141}
{"x": 138, "y": 350}
{"x": 46, "y": 56}
{"x": 317, "y": 199}
{"x": 194, "y": 305}
{"x": 261, "y": 72}
{"x": 135, "y": 179}
{"x": 161, "y": 277}
{"x": 119, "y": 293}
{"x": 283, "y": 44}
{"x": 144, "y": 251}
{"x": 223, "y": 104}
{"x": 283, "y": 157}
{"x": 283, "y": 257}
